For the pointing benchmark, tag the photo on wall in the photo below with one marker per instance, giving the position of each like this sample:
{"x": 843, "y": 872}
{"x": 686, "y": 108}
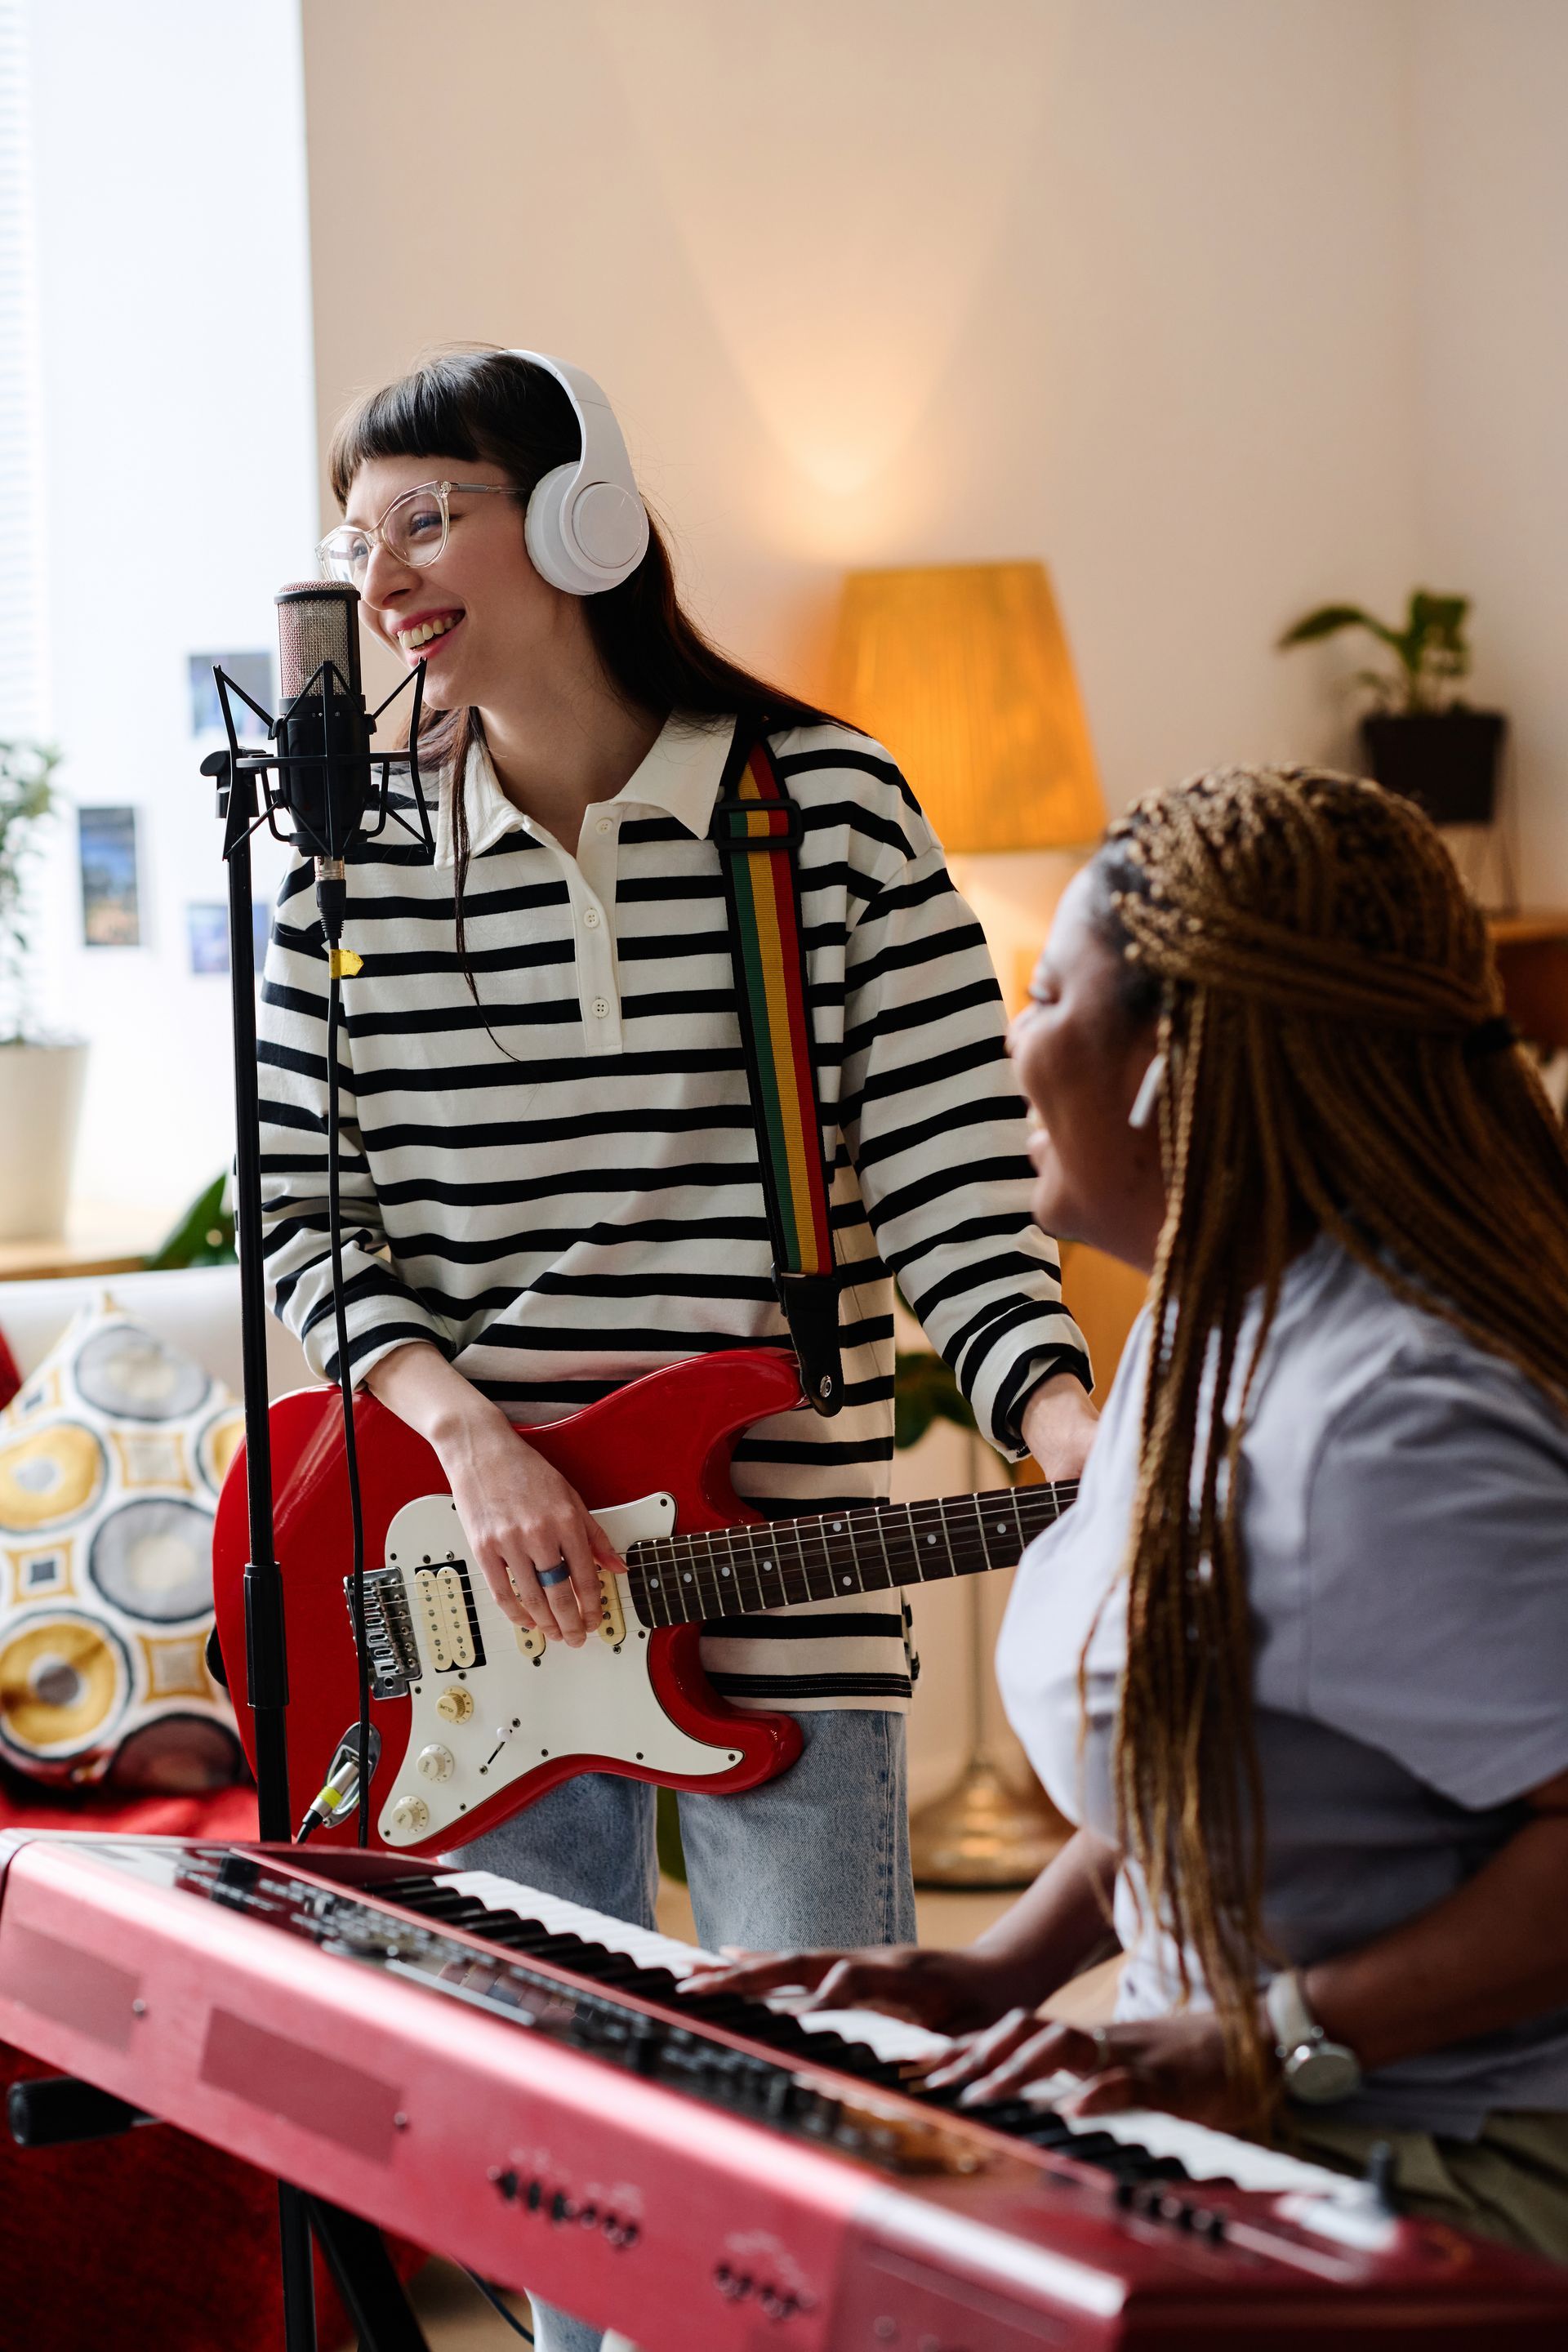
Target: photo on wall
{"x": 252, "y": 672}
{"x": 111, "y": 895}
{"x": 207, "y": 936}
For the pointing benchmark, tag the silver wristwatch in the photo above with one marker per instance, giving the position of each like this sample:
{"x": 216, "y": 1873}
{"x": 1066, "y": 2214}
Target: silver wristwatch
{"x": 1317, "y": 2070}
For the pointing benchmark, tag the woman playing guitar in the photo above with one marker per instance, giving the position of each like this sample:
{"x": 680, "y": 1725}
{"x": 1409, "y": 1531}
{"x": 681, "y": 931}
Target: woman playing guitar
{"x": 550, "y": 1163}
{"x": 1297, "y": 1662}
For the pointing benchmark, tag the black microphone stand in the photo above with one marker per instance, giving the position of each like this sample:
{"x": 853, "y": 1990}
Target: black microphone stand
{"x": 253, "y": 788}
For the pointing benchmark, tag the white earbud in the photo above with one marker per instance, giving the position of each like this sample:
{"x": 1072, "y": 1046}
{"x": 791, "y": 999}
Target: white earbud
{"x": 587, "y": 528}
{"x": 1148, "y": 1094}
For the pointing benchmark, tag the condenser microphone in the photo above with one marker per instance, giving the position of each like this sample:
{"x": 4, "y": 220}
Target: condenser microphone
{"x": 323, "y": 734}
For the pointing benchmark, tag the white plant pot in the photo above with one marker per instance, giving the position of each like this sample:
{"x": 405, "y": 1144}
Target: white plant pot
{"x": 40, "y": 1102}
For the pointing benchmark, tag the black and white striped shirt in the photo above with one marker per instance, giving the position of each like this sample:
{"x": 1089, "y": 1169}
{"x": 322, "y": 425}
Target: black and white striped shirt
{"x": 585, "y": 1206}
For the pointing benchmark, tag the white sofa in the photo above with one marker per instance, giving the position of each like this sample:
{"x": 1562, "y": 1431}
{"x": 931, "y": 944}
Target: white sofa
{"x": 197, "y": 1309}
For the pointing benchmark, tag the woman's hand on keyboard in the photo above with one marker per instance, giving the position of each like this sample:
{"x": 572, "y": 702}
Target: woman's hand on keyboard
{"x": 1178, "y": 2065}
{"x": 951, "y": 1992}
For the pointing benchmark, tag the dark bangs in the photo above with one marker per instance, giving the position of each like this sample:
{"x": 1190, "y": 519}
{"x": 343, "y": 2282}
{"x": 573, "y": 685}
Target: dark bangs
{"x": 485, "y": 405}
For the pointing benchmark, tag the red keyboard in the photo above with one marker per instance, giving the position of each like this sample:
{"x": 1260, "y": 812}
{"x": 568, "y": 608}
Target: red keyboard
{"x": 516, "y": 2082}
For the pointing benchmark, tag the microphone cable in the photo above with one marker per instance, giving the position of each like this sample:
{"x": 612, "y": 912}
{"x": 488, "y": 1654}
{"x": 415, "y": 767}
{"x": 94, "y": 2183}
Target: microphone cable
{"x": 345, "y": 1380}
{"x": 492, "y": 2297}
{"x": 324, "y": 765}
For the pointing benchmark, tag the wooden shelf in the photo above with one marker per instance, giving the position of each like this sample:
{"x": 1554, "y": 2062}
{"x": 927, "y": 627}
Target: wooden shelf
{"x": 1529, "y": 925}
{"x": 1532, "y": 950}
{"x": 46, "y": 1261}
{"x": 98, "y": 1239}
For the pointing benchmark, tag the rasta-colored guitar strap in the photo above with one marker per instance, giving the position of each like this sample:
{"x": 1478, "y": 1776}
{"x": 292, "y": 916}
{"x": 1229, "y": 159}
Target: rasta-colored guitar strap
{"x": 757, "y": 828}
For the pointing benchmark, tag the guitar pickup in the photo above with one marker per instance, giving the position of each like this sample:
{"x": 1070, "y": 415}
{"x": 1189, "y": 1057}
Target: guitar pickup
{"x": 448, "y": 1621}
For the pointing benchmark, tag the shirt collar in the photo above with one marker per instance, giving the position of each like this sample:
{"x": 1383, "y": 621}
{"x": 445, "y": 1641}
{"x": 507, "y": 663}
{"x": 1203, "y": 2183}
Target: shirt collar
{"x": 680, "y": 775}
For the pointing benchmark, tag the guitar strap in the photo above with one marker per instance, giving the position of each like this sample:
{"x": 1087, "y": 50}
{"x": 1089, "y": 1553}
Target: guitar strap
{"x": 757, "y": 828}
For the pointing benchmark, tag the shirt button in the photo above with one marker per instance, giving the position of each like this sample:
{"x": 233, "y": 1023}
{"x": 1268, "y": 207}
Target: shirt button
{"x": 604, "y": 825}
{"x": 591, "y": 918}
{"x": 602, "y": 1007}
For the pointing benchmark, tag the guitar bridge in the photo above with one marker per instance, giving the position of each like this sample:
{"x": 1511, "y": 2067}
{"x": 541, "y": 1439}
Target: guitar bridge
{"x": 389, "y": 1631}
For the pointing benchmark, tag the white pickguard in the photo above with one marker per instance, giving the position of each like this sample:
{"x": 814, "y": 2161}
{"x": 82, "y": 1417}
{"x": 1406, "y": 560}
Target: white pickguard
{"x": 595, "y": 1701}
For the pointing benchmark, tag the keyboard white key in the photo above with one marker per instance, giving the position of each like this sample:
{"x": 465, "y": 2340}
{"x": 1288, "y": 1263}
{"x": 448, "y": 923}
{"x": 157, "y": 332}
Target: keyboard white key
{"x": 889, "y": 2037}
{"x": 1207, "y": 2155}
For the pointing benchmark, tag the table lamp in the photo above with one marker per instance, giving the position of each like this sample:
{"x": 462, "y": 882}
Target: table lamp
{"x": 963, "y": 671}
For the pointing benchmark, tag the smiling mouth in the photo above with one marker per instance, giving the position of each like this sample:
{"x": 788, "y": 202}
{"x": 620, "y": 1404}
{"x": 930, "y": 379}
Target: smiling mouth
{"x": 426, "y": 634}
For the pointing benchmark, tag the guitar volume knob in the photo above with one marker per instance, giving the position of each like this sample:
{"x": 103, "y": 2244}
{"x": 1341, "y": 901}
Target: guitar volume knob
{"x": 435, "y": 1763}
{"x": 454, "y": 1706}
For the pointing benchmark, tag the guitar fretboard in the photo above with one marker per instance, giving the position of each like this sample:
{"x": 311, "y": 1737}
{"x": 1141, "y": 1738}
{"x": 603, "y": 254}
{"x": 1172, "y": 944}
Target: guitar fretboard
{"x": 679, "y": 1580}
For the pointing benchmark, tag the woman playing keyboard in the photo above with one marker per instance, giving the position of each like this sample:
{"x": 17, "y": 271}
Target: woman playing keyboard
{"x": 1297, "y": 1662}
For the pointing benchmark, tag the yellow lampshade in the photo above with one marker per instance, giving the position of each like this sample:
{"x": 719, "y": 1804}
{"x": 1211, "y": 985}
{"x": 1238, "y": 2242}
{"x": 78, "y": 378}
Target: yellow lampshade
{"x": 963, "y": 671}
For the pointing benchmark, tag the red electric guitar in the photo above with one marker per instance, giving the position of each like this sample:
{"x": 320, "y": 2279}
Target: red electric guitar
{"x": 477, "y": 1717}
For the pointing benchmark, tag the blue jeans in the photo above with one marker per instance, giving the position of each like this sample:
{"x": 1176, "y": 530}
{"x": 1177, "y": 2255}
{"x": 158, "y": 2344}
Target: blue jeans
{"x": 820, "y": 1855}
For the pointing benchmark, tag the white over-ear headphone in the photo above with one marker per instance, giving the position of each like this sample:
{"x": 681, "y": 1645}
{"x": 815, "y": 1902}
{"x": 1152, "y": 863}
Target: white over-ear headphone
{"x": 587, "y": 528}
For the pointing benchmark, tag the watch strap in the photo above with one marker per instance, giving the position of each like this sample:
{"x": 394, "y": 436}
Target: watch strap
{"x": 1285, "y": 2006}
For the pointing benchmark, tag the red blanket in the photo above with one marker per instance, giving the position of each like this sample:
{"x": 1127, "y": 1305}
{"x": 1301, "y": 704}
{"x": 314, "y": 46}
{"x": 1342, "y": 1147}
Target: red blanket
{"x": 155, "y": 2241}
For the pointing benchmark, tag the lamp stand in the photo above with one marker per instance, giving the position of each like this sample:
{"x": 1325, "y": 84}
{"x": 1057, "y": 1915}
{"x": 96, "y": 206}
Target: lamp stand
{"x": 987, "y": 1830}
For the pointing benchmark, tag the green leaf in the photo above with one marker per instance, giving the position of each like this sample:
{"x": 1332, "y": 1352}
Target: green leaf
{"x": 28, "y": 798}
{"x": 204, "y": 1236}
{"x": 667, "y": 1821}
{"x": 1328, "y": 620}
{"x": 925, "y": 1391}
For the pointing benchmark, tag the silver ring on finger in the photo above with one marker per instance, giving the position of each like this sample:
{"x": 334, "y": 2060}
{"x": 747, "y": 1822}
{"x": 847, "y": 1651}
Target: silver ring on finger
{"x": 559, "y": 1574}
{"x": 1101, "y": 2037}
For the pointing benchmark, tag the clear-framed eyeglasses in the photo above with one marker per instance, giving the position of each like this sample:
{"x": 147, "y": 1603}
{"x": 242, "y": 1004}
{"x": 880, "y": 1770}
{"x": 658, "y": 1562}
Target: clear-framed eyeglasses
{"x": 415, "y": 529}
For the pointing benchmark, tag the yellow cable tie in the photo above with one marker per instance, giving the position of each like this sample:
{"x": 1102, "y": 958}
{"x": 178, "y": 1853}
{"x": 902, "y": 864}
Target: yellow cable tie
{"x": 343, "y": 963}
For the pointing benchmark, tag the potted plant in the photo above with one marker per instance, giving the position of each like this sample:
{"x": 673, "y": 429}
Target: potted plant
{"x": 40, "y": 1078}
{"x": 1420, "y": 739}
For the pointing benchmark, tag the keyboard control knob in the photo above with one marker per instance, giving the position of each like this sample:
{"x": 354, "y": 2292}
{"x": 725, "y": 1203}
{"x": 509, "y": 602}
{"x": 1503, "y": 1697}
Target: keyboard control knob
{"x": 435, "y": 1763}
{"x": 454, "y": 1706}
{"x": 411, "y": 1815}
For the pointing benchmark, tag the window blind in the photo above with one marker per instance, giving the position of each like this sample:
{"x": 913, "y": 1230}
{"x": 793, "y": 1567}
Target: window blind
{"x": 20, "y": 570}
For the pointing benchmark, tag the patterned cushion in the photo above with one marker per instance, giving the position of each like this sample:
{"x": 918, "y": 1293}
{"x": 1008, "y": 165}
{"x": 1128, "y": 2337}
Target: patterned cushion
{"x": 110, "y": 1458}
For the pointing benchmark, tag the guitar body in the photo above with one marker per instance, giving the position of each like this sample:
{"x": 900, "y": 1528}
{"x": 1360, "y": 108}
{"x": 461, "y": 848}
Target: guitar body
{"x": 488, "y": 1721}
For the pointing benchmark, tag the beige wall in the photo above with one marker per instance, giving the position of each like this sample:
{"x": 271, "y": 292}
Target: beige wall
{"x": 1490, "y": 87}
{"x": 1127, "y": 286}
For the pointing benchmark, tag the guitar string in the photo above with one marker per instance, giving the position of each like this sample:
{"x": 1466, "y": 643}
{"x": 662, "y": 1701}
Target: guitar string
{"x": 688, "y": 1566}
{"x": 656, "y": 1604}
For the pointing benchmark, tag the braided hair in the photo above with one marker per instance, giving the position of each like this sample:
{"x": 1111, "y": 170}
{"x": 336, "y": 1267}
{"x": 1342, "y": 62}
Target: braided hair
{"x": 1336, "y": 1061}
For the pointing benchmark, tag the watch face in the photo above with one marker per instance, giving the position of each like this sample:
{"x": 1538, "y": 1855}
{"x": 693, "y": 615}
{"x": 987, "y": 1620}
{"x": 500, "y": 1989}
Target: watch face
{"x": 1322, "y": 2073}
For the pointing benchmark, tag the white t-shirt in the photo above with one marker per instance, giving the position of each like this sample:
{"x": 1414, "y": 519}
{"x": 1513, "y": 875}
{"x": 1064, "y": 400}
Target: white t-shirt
{"x": 1405, "y": 1526}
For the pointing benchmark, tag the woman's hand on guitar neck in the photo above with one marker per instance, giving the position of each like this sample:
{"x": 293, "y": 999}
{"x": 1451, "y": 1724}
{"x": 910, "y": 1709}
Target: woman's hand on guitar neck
{"x": 1058, "y": 1424}
{"x": 518, "y": 1513}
